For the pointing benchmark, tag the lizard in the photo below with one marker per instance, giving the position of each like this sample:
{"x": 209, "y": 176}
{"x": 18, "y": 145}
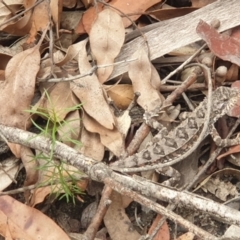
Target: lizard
{"x": 170, "y": 147}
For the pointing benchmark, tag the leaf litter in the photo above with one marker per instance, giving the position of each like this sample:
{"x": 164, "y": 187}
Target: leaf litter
{"x": 91, "y": 112}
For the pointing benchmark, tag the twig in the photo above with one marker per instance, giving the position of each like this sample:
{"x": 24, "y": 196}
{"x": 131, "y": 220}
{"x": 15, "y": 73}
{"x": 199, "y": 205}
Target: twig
{"x": 21, "y": 13}
{"x": 101, "y": 210}
{"x": 183, "y": 64}
{"x": 158, "y": 208}
{"x": 92, "y": 70}
{"x": 178, "y": 91}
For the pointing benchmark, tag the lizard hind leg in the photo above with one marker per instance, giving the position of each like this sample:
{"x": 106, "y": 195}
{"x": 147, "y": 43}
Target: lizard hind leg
{"x": 223, "y": 142}
{"x": 170, "y": 172}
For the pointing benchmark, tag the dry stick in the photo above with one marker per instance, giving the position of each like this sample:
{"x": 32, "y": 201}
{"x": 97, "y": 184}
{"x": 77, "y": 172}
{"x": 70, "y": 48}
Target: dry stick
{"x": 21, "y": 13}
{"x": 9, "y": 9}
{"x": 33, "y": 186}
{"x": 180, "y": 89}
{"x": 138, "y": 138}
{"x": 212, "y": 158}
{"x": 193, "y": 87}
{"x": 158, "y": 208}
{"x": 92, "y": 229}
{"x": 184, "y": 64}
{"x": 89, "y": 73}
{"x": 98, "y": 171}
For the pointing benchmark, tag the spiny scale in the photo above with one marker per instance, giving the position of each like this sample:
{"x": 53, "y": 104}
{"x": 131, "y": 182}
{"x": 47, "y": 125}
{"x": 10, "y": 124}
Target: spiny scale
{"x": 167, "y": 146}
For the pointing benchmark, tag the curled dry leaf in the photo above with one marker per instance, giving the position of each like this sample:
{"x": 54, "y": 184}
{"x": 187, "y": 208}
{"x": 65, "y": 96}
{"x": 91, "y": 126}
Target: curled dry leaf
{"x": 23, "y": 222}
{"x": 155, "y": 78}
{"x": 223, "y": 46}
{"x": 163, "y": 233}
{"x": 19, "y": 75}
{"x": 69, "y": 130}
{"x": 90, "y": 92}
{"x": 31, "y": 168}
{"x": 127, "y": 7}
{"x": 92, "y": 146}
{"x": 121, "y": 94}
{"x": 56, "y": 10}
{"x": 46, "y": 68}
{"x": 117, "y": 221}
{"x": 60, "y": 102}
{"x": 10, "y": 167}
{"x": 106, "y": 39}
{"x": 72, "y": 53}
{"x": 111, "y": 139}
{"x": 23, "y": 25}
{"x": 140, "y": 74}
{"x": 40, "y": 20}
{"x": 18, "y": 89}
{"x": 123, "y": 123}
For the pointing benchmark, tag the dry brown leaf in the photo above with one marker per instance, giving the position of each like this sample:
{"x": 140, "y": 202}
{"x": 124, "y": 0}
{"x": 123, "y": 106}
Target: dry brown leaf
{"x": 69, "y": 3}
{"x": 22, "y": 25}
{"x": 40, "y": 20}
{"x": 25, "y": 222}
{"x": 56, "y": 10}
{"x": 232, "y": 73}
{"x": 123, "y": 123}
{"x": 19, "y": 87}
{"x": 223, "y": 46}
{"x": 46, "y": 68}
{"x": 121, "y": 94}
{"x": 125, "y": 6}
{"x": 111, "y": 139}
{"x": 5, "y": 14}
{"x": 86, "y": 21}
{"x": 87, "y": 3}
{"x": 10, "y": 167}
{"x": 155, "y": 78}
{"x": 163, "y": 233}
{"x": 71, "y": 53}
{"x": 186, "y": 236}
{"x": 17, "y": 91}
{"x": 4, "y": 60}
{"x": 140, "y": 72}
{"x": 106, "y": 39}
{"x": 70, "y": 129}
{"x": 90, "y": 92}
{"x": 61, "y": 101}
{"x": 117, "y": 222}
{"x": 91, "y": 145}
{"x": 31, "y": 168}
